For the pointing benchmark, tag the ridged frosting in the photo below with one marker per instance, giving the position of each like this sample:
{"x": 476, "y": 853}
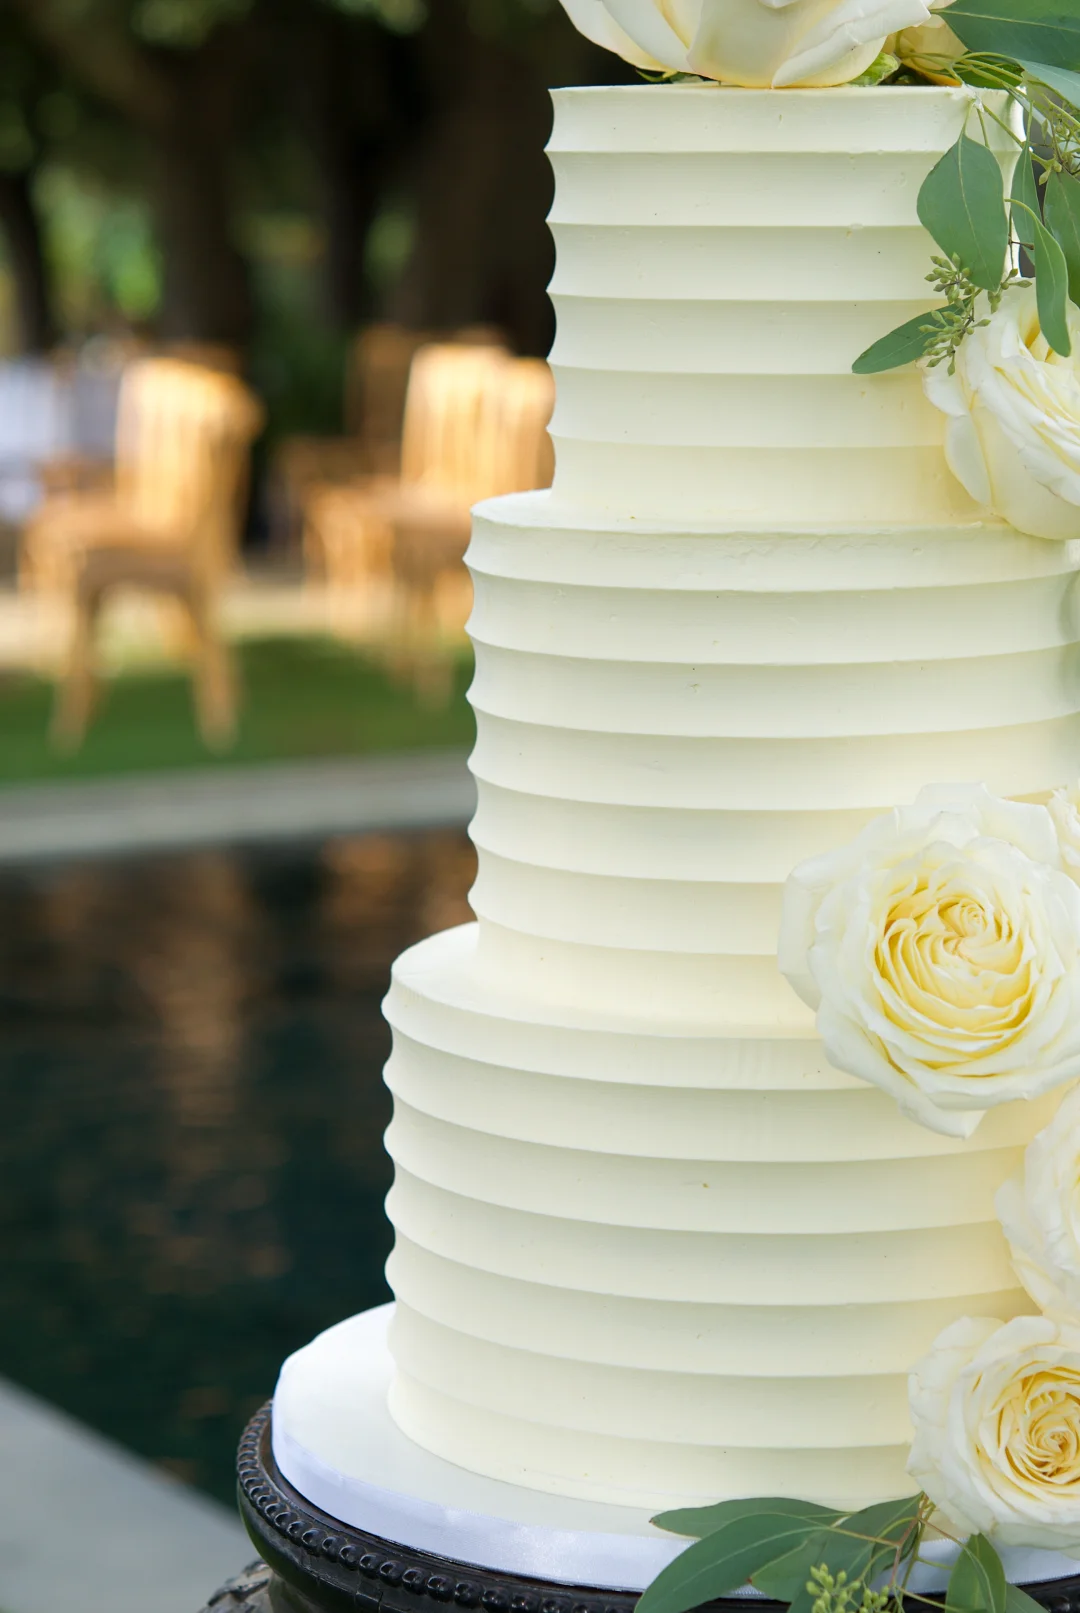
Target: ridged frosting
{"x": 651, "y": 1246}
{"x": 722, "y": 257}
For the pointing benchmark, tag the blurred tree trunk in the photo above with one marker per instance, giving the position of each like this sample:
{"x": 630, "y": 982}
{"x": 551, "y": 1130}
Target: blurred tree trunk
{"x": 482, "y": 188}
{"x": 354, "y": 103}
{"x": 207, "y": 284}
{"x": 182, "y": 105}
{"x": 206, "y": 290}
{"x": 350, "y": 176}
{"x": 35, "y": 324}
{"x": 482, "y": 182}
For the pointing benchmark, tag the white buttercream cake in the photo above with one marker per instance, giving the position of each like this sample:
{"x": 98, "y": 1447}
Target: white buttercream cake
{"x": 651, "y": 1248}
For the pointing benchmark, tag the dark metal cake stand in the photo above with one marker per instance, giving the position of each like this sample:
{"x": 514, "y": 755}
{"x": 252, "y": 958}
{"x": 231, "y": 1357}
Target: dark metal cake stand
{"x": 313, "y": 1563}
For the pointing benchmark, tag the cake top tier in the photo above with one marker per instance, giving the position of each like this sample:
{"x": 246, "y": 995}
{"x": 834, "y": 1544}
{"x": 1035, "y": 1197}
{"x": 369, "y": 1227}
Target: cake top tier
{"x": 723, "y": 255}
{"x": 629, "y": 118}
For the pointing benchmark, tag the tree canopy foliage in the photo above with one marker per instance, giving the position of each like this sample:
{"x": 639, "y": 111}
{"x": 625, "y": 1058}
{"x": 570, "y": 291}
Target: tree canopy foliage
{"x": 343, "y": 108}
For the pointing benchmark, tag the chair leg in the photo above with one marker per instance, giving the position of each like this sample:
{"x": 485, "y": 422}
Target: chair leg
{"x": 77, "y": 686}
{"x": 215, "y": 681}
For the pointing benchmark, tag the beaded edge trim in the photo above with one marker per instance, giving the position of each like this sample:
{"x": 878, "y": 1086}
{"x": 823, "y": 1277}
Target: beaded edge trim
{"x": 318, "y": 1546}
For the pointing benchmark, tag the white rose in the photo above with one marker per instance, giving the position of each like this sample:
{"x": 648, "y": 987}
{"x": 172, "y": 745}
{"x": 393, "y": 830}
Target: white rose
{"x": 996, "y": 1410}
{"x": 1065, "y": 811}
{"x": 761, "y": 43}
{"x": 593, "y": 19}
{"x": 1013, "y": 437}
{"x": 1040, "y": 1215}
{"x": 941, "y": 950}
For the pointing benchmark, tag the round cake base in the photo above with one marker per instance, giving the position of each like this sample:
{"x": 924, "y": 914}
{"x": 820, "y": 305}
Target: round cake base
{"x": 349, "y": 1512}
{"x": 329, "y": 1565}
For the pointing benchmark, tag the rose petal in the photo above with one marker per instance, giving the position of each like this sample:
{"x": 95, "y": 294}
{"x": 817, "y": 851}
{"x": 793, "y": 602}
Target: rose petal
{"x": 652, "y": 28}
{"x": 1013, "y": 438}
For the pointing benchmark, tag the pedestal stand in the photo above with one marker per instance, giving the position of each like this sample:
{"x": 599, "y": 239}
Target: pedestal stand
{"x": 363, "y": 1519}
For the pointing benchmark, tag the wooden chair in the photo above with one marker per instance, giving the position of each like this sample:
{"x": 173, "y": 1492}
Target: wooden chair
{"x": 515, "y": 448}
{"x": 508, "y": 451}
{"x": 351, "y": 528}
{"x": 169, "y": 524}
{"x": 81, "y": 469}
{"x": 376, "y": 385}
{"x": 219, "y": 356}
{"x": 376, "y": 378}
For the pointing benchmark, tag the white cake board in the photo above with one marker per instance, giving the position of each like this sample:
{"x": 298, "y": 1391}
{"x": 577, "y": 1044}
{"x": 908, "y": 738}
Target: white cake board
{"x": 337, "y": 1445}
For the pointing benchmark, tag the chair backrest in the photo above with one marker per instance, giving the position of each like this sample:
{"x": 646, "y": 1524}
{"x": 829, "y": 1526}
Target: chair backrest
{"x": 441, "y": 448}
{"x": 376, "y": 383}
{"x": 377, "y": 379}
{"x": 182, "y": 440}
{"x": 219, "y": 356}
{"x": 514, "y": 448}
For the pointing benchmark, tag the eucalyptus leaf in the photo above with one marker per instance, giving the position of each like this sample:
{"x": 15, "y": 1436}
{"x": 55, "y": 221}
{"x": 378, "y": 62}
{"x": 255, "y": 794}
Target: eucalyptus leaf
{"x": 887, "y": 1520}
{"x": 1063, "y": 221}
{"x": 858, "y": 1544}
{"x": 987, "y": 72}
{"x": 699, "y": 1521}
{"x": 787, "y": 1579}
{"x": 962, "y": 204}
{"x": 1018, "y": 1601}
{"x": 1026, "y": 192}
{"x": 890, "y": 1526}
{"x": 907, "y": 342}
{"x": 1026, "y": 30}
{"x": 977, "y": 1583}
{"x": 1058, "y": 79}
{"x": 724, "y": 1560}
{"x": 1052, "y": 290}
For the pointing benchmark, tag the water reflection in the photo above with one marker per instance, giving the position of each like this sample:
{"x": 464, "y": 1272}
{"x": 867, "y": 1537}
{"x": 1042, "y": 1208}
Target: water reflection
{"x": 191, "y": 1166}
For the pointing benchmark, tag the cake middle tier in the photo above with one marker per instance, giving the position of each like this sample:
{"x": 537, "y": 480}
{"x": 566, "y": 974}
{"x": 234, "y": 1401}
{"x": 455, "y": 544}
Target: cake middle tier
{"x": 668, "y": 721}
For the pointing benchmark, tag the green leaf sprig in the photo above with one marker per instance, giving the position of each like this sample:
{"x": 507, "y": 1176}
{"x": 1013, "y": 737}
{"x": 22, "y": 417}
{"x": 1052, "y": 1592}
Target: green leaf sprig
{"x": 1030, "y": 50}
{"x": 823, "y": 1560}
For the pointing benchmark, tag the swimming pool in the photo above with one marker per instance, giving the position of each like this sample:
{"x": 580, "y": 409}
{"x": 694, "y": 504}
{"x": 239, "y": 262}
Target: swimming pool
{"x": 191, "y": 1161}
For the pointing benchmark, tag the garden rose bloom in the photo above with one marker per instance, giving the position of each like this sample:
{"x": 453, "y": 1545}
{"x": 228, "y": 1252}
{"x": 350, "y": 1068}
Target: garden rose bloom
{"x": 941, "y": 950}
{"x": 1065, "y": 811}
{"x": 762, "y": 43}
{"x": 996, "y": 1410}
{"x": 1013, "y": 437}
{"x": 928, "y": 47}
{"x": 1040, "y": 1215}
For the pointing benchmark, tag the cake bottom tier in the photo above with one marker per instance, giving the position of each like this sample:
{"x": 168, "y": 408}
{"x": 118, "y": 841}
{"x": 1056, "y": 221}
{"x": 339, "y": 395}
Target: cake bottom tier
{"x": 652, "y": 1269}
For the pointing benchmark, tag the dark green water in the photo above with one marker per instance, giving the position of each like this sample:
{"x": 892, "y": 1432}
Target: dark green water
{"x": 191, "y": 1163}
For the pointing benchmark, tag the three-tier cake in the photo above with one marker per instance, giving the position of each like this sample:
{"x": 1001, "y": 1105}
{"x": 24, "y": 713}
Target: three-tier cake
{"x": 651, "y": 1248}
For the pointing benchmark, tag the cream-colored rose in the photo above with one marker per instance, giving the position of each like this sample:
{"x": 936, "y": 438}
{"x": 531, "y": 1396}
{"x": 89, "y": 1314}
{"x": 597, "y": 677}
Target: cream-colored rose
{"x": 941, "y": 950}
{"x": 1065, "y": 811}
{"x": 760, "y": 43}
{"x": 996, "y": 1410}
{"x": 1013, "y": 437}
{"x": 928, "y": 48}
{"x": 1040, "y": 1215}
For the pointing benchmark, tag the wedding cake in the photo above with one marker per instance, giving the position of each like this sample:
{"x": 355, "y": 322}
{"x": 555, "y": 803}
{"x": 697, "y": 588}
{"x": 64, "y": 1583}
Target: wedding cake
{"x": 652, "y": 1246}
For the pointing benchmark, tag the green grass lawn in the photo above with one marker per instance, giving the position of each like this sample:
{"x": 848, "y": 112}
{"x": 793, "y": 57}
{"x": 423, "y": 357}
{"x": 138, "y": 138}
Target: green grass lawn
{"x": 301, "y": 698}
